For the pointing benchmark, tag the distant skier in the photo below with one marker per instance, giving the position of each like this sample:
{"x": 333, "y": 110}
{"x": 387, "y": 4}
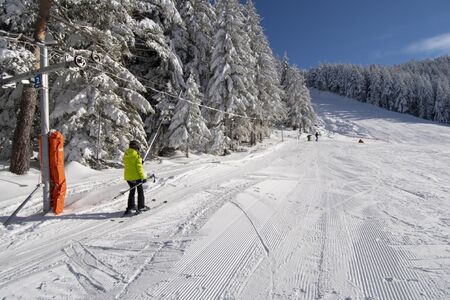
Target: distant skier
{"x": 317, "y": 136}
{"x": 135, "y": 176}
{"x": 309, "y": 137}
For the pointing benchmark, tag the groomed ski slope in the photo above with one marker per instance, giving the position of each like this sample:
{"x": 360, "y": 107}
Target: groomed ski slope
{"x": 332, "y": 219}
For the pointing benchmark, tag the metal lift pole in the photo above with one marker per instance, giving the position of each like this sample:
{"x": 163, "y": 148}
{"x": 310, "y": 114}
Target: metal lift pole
{"x": 45, "y": 129}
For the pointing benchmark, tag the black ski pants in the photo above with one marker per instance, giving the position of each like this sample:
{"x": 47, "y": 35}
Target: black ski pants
{"x": 140, "y": 191}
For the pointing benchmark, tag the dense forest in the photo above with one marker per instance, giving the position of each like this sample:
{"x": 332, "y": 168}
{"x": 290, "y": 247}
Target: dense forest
{"x": 199, "y": 73}
{"x": 419, "y": 88}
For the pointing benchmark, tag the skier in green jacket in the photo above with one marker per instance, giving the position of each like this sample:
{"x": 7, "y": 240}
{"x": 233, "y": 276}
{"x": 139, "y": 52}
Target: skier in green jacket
{"x": 135, "y": 176}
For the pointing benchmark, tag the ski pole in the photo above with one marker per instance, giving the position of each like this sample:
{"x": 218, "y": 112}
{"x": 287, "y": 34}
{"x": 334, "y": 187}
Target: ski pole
{"x": 153, "y": 140}
{"x": 140, "y": 183}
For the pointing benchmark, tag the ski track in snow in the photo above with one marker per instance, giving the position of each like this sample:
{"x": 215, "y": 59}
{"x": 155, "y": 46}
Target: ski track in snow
{"x": 293, "y": 220}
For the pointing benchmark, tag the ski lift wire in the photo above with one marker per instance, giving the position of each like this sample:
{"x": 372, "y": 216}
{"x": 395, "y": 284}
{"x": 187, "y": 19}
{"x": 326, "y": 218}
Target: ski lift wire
{"x": 181, "y": 98}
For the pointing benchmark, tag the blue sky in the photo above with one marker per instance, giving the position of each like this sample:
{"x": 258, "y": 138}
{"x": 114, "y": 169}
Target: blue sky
{"x": 356, "y": 31}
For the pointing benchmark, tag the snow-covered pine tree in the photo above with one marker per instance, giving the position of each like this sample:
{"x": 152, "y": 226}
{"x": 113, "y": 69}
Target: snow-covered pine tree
{"x": 100, "y": 114}
{"x": 166, "y": 104}
{"x": 199, "y": 18}
{"x": 355, "y": 85}
{"x": 188, "y": 129}
{"x": 242, "y": 127}
{"x": 375, "y": 88}
{"x": 231, "y": 88}
{"x": 424, "y": 91}
{"x": 322, "y": 77}
{"x": 330, "y": 77}
{"x": 283, "y": 68}
{"x": 179, "y": 35}
{"x": 18, "y": 16}
{"x": 442, "y": 101}
{"x": 153, "y": 26}
{"x": 401, "y": 93}
{"x": 158, "y": 32}
{"x": 14, "y": 59}
{"x": 270, "y": 107}
{"x": 300, "y": 113}
{"x": 99, "y": 109}
{"x": 387, "y": 88}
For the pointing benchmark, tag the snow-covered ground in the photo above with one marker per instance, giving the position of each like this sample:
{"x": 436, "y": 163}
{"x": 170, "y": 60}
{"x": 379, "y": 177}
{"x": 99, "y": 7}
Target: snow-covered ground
{"x": 333, "y": 219}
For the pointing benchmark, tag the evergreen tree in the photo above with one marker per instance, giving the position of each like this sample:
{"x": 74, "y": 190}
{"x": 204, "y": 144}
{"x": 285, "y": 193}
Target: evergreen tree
{"x": 283, "y": 69}
{"x": 375, "y": 87}
{"x": 166, "y": 103}
{"x": 188, "y": 129}
{"x": 231, "y": 88}
{"x": 387, "y": 88}
{"x": 355, "y": 85}
{"x": 300, "y": 112}
{"x": 442, "y": 102}
{"x": 425, "y": 94}
{"x": 157, "y": 50}
{"x": 100, "y": 115}
{"x": 199, "y": 18}
{"x": 18, "y": 16}
{"x": 100, "y": 109}
{"x": 401, "y": 94}
{"x": 270, "y": 107}
{"x": 14, "y": 59}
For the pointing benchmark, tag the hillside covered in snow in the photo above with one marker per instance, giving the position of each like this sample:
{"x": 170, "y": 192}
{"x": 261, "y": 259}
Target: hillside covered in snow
{"x": 291, "y": 219}
{"x": 418, "y": 88}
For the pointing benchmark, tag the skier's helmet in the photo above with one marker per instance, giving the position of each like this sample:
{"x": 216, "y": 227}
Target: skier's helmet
{"x": 135, "y": 145}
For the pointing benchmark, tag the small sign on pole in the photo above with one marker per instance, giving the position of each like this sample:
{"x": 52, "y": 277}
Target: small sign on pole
{"x": 38, "y": 81}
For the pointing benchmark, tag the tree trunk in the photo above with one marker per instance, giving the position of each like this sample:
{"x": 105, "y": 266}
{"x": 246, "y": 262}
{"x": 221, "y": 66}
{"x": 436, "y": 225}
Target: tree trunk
{"x": 44, "y": 15}
{"x": 21, "y": 148}
{"x": 187, "y": 147}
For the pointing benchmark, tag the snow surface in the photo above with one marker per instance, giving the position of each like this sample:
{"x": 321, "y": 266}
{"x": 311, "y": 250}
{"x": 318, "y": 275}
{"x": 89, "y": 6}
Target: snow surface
{"x": 332, "y": 219}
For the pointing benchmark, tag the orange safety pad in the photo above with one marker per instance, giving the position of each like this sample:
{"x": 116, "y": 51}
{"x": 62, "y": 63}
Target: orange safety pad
{"x": 57, "y": 177}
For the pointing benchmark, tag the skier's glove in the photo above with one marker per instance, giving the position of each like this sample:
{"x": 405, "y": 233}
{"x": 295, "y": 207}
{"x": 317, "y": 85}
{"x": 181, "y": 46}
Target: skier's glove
{"x": 144, "y": 180}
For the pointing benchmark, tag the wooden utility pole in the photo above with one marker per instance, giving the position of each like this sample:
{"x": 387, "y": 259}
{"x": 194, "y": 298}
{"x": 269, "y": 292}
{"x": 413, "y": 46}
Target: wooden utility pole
{"x": 21, "y": 147}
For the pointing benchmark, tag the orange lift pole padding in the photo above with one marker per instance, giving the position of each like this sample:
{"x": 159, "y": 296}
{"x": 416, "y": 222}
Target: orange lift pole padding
{"x": 57, "y": 177}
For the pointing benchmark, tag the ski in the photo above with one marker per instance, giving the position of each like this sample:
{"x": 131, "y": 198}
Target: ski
{"x": 125, "y": 215}
{"x": 135, "y": 213}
